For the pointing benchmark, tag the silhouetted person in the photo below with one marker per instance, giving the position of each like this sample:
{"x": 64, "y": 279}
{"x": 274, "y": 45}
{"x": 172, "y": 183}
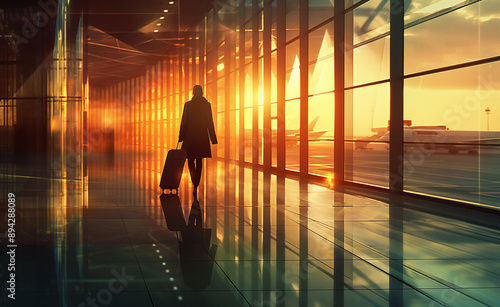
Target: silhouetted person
{"x": 196, "y": 132}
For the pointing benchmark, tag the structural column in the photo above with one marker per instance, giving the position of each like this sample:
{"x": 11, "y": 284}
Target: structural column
{"x": 304, "y": 86}
{"x": 396, "y": 159}
{"x": 255, "y": 83}
{"x": 215, "y": 76}
{"x": 396, "y": 102}
{"x": 339, "y": 42}
{"x": 268, "y": 138}
{"x": 281, "y": 84}
{"x": 241, "y": 74}
{"x": 201, "y": 54}
{"x": 228, "y": 101}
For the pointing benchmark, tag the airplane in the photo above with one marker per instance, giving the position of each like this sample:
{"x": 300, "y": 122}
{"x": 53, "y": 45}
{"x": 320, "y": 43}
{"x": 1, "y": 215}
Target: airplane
{"x": 292, "y": 136}
{"x": 440, "y": 137}
{"x": 362, "y": 143}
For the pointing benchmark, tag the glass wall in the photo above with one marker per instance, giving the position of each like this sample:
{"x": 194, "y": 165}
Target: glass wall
{"x": 270, "y": 77}
{"x": 367, "y": 95}
{"x": 42, "y": 89}
{"x": 451, "y": 97}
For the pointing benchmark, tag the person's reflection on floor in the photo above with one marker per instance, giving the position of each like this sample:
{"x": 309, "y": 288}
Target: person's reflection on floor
{"x": 196, "y": 252}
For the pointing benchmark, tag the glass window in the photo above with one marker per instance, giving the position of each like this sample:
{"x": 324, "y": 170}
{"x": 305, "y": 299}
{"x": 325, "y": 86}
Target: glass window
{"x": 248, "y": 44}
{"x": 371, "y": 62}
{"x": 419, "y": 10}
{"x": 221, "y": 133}
{"x": 451, "y": 146}
{"x": 367, "y": 116}
{"x": 292, "y": 71}
{"x": 274, "y": 80}
{"x": 232, "y": 138}
{"x": 371, "y": 20}
{"x": 321, "y": 49}
{"x": 248, "y": 134}
{"x": 463, "y": 35}
{"x": 319, "y": 11}
{"x": 292, "y": 124}
{"x": 292, "y": 19}
{"x": 321, "y": 128}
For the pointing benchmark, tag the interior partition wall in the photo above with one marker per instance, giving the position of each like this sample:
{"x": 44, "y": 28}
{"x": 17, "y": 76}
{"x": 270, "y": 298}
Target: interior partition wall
{"x": 42, "y": 128}
{"x": 349, "y": 91}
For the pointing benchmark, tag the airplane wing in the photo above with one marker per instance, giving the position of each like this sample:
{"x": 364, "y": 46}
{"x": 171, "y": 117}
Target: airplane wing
{"x": 485, "y": 141}
{"x": 482, "y": 141}
{"x": 313, "y": 135}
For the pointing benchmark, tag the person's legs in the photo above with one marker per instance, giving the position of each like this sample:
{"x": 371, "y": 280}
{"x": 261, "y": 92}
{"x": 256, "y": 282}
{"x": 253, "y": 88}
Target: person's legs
{"x": 195, "y": 166}
{"x": 192, "y": 171}
{"x": 199, "y": 167}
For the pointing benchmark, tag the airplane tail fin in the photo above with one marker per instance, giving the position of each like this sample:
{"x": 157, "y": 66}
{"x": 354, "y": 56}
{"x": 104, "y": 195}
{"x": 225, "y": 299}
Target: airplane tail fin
{"x": 312, "y": 124}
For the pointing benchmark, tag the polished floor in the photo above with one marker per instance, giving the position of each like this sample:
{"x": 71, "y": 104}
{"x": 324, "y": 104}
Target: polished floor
{"x": 251, "y": 239}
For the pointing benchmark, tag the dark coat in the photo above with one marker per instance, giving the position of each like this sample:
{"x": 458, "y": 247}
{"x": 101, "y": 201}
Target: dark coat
{"x": 197, "y": 128}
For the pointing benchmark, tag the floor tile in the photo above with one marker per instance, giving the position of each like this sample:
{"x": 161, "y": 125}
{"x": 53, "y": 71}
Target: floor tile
{"x": 197, "y": 299}
{"x": 185, "y": 276}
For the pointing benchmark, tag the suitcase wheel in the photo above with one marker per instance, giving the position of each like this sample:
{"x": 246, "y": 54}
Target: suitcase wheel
{"x": 171, "y": 191}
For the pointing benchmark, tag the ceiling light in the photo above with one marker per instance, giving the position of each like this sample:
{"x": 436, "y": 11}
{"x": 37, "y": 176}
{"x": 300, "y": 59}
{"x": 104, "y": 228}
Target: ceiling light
{"x": 156, "y": 31}
{"x": 158, "y": 24}
{"x": 171, "y": 2}
{"x": 165, "y": 11}
{"x": 162, "y": 17}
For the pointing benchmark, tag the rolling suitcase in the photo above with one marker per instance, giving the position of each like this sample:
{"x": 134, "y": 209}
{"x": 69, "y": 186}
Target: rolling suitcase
{"x": 172, "y": 171}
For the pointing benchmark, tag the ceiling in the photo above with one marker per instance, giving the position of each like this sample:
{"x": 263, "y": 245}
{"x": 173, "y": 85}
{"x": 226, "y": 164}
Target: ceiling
{"x": 124, "y": 36}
